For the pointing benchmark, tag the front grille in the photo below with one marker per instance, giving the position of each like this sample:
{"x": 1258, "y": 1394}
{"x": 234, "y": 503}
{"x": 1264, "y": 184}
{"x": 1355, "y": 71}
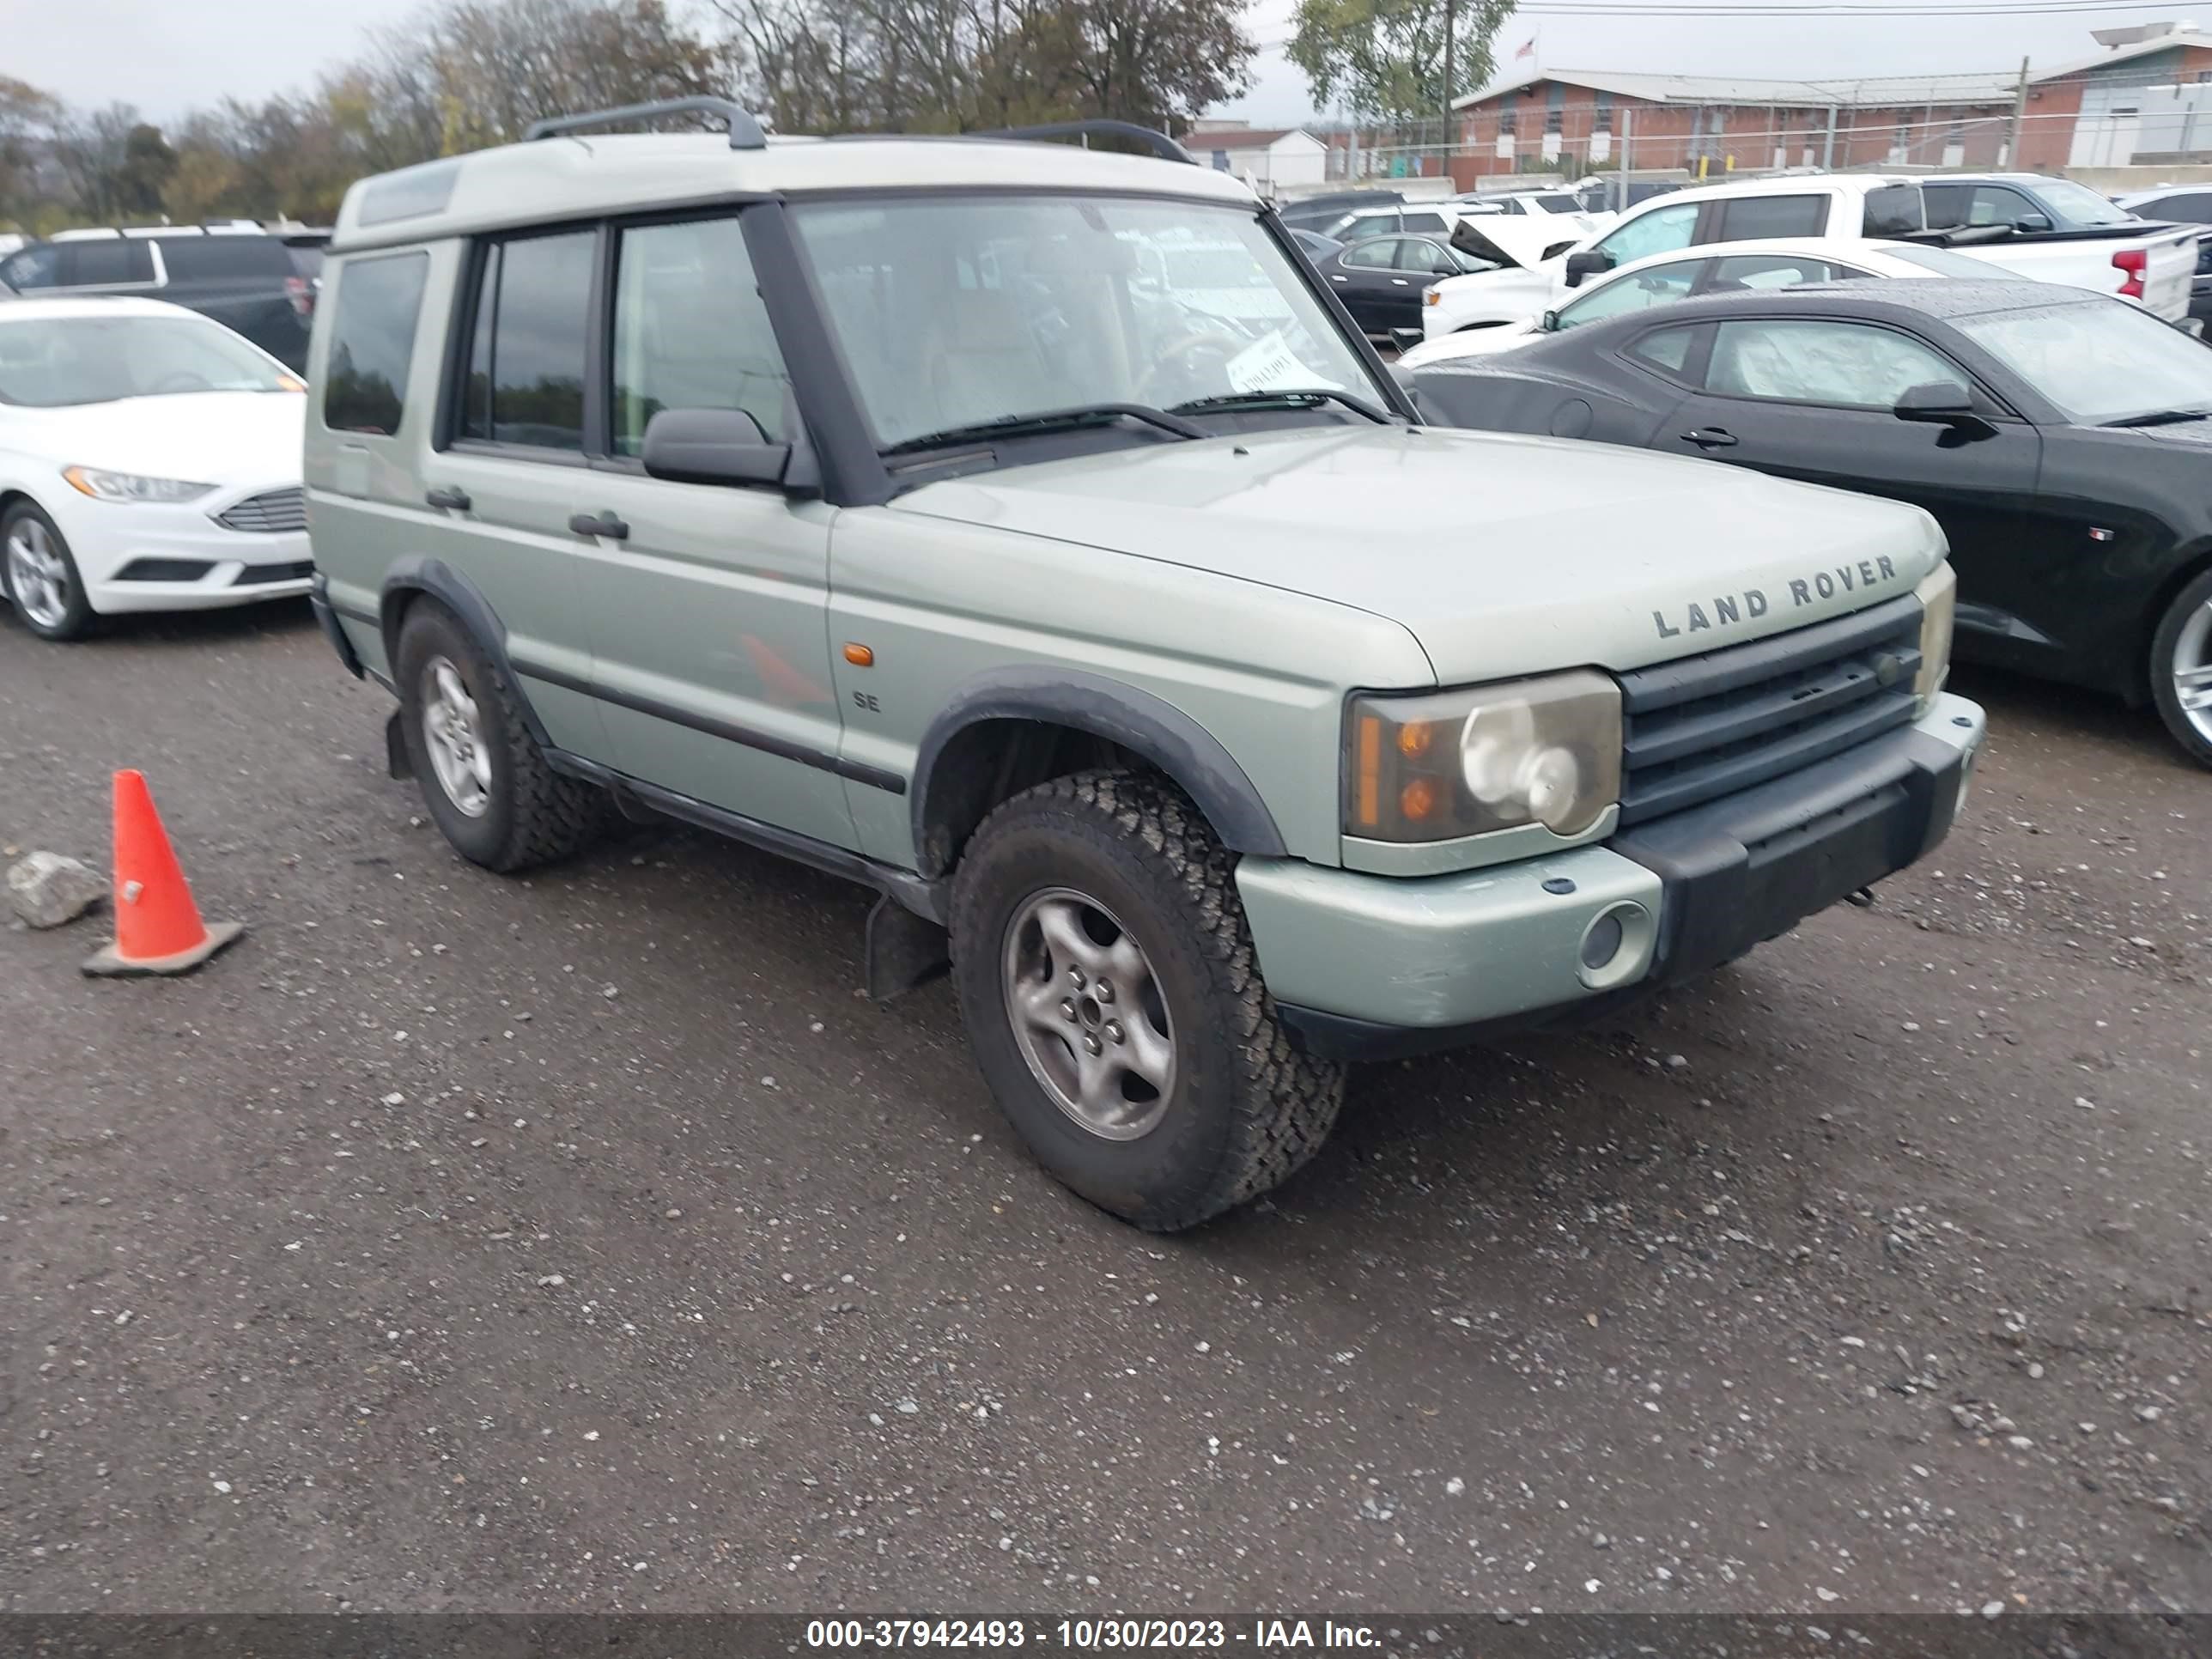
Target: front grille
{"x": 253, "y": 575}
{"x": 1706, "y": 727}
{"x": 271, "y": 513}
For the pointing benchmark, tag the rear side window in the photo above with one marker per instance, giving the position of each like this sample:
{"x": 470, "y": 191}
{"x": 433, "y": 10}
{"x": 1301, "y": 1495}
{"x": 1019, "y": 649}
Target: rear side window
{"x": 526, "y": 383}
{"x": 691, "y": 331}
{"x": 1667, "y": 349}
{"x": 1756, "y": 218}
{"x": 372, "y": 340}
{"x": 225, "y": 258}
{"x": 1900, "y": 210}
{"x": 106, "y": 264}
{"x": 1422, "y": 221}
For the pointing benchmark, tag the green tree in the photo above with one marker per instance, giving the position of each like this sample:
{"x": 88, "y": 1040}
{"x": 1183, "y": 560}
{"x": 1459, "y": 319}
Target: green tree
{"x": 1385, "y": 58}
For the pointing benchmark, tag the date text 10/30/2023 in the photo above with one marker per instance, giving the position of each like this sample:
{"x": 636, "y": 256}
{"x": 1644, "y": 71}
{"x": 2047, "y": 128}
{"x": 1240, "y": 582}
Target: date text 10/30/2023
{"x": 1082, "y": 1635}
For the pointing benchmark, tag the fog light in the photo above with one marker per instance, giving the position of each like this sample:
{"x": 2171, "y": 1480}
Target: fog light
{"x": 1616, "y": 946}
{"x": 1602, "y": 943}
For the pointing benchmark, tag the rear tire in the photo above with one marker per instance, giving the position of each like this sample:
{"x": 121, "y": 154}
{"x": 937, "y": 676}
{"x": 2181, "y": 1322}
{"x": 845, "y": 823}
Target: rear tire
{"x": 1211, "y": 1104}
{"x": 39, "y": 575}
{"x": 483, "y": 778}
{"x": 2181, "y": 669}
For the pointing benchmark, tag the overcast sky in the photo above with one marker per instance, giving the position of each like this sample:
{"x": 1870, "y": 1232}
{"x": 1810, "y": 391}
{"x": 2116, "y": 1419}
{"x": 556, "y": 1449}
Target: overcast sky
{"x": 166, "y": 55}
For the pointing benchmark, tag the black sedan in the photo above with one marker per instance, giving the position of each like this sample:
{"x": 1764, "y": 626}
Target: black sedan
{"x": 1381, "y": 279}
{"x": 2062, "y": 439}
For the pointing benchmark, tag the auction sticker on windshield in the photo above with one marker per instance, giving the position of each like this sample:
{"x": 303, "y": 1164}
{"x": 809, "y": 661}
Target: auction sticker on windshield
{"x": 1269, "y": 364}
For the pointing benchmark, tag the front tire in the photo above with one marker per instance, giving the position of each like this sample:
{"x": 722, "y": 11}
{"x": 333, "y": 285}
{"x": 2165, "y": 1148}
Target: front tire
{"x": 483, "y": 778}
{"x": 2181, "y": 669}
{"x": 40, "y": 575}
{"x": 1170, "y": 1092}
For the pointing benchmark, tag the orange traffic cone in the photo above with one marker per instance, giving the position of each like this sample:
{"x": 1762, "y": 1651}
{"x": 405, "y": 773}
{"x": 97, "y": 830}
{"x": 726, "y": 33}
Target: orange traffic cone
{"x": 158, "y": 929}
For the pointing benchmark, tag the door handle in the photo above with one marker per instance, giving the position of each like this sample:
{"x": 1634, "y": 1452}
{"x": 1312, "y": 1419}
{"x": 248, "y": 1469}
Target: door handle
{"x": 1397, "y": 282}
{"x": 1336, "y": 278}
{"x": 599, "y": 524}
{"x": 1710, "y": 437}
{"x": 453, "y": 501}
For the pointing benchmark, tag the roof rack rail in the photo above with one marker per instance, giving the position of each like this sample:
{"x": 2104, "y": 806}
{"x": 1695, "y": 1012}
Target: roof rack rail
{"x": 746, "y": 131}
{"x": 1157, "y": 142}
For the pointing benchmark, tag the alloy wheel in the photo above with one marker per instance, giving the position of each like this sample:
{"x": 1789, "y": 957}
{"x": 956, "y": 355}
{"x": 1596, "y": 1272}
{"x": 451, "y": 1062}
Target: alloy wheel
{"x": 37, "y": 575}
{"x": 452, "y": 733}
{"x": 2193, "y": 670}
{"x": 1088, "y": 1014}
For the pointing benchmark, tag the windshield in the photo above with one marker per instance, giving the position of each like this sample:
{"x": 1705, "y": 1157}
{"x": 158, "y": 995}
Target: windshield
{"x": 955, "y": 311}
{"x": 2077, "y": 207}
{"x": 49, "y": 362}
{"x": 2097, "y": 363}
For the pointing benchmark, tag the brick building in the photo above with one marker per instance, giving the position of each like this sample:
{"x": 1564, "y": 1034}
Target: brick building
{"x": 1578, "y": 120}
{"x": 2145, "y": 98}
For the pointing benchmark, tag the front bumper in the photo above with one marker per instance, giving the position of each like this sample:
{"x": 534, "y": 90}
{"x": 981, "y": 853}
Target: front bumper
{"x": 160, "y": 556}
{"x": 1368, "y": 967}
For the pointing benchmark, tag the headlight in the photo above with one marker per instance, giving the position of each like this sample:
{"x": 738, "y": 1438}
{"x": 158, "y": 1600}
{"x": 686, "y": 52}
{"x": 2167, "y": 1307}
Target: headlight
{"x": 1454, "y": 764}
{"x": 131, "y": 486}
{"x": 1938, "y": 594}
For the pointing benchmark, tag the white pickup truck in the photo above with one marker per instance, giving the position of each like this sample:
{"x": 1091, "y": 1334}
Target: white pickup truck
{"x": 2149, "y": 263}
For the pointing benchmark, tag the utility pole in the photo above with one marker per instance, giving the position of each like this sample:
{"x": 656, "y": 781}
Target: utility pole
{"x": 2019, "y": 119}
{"x": 1451, "y": 9}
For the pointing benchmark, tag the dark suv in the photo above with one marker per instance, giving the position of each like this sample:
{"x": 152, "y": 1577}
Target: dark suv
{"x": 246, "y": 278}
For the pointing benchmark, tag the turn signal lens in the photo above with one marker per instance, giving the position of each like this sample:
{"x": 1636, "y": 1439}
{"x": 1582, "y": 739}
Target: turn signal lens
{"x": 1938, "y": 594}
{"x": 1413, "y": 738}
{"x": 1418, "y": 799}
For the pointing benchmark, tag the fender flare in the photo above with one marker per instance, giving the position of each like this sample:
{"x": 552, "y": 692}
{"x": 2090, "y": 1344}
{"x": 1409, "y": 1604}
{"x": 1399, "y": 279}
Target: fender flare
{"x": 1191, "y": 757}
{"x": 436, "y": 580}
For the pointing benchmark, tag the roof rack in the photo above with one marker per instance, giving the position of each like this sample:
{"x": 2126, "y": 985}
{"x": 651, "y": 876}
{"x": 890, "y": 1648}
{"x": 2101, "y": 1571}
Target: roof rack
{"x": 746, "y": 131}
{"x": 1157, "y": 142}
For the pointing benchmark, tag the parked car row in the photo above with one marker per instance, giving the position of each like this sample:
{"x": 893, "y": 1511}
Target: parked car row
{"x": 257, "y": 282}
{"x": 2062, "y": 440}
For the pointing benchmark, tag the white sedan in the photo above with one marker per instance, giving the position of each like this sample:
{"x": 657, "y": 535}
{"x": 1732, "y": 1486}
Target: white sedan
{"x": 150, "y": 459}
{"x": 1715, "y": 268}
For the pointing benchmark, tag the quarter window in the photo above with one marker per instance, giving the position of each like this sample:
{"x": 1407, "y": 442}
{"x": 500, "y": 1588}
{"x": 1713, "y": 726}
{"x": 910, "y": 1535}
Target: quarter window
{"x": 1667, "y": 349}
{"x": 1852, "y": 365}
{"x": 372, "y": 338}
{"x": 525, "y": 381}
{"x": 691, "y": 331}
{"x": 1377, "y": 253}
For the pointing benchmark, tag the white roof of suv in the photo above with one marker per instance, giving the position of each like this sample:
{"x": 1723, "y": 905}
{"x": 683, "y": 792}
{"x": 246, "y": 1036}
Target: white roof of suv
{"x": 553, "y": 177}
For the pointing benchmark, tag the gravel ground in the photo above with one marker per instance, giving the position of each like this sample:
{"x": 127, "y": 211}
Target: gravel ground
{"x": 586, "y": 1241}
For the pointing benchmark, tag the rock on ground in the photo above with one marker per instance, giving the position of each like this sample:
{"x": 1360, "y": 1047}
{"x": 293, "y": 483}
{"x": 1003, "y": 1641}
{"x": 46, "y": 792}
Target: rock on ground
{"x": 46, "y": 889}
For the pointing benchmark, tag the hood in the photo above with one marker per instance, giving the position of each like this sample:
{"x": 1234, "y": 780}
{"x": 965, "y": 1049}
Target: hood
{"x": 228, "y": 438}
{"x": 1517, "y": 241}
{"x": 1501, "y": 555}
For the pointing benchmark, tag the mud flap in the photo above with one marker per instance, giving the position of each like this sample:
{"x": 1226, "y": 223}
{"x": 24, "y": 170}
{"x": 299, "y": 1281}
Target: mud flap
{"x": 395, "y": 750}
{"x": 903, "y": 951}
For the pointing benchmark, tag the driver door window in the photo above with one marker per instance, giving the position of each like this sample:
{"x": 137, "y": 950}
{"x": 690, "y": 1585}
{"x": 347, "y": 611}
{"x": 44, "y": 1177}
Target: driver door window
{"x": 1660, "y": 231}
{"x": 1637, "y": 291}
{"x": 1843, "y": 365}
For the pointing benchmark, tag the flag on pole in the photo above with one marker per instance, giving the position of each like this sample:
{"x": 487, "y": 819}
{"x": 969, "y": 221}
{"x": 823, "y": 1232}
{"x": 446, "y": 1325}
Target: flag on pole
{"x": 1528, "y": 49}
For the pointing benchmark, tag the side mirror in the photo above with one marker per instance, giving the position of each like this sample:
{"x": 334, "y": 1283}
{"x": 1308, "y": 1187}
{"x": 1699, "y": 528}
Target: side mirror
{"x": 1943, "y": 403}
{"x": 1590, "y": 262}
{"x": 1550, "y": 324}
{"x": 713, "y": 446}
{"x": 2032, "y": 221}
{"x": 1406, "y": 339}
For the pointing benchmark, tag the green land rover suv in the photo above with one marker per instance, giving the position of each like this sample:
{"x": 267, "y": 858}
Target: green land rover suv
{"x": 1023, "y": 530}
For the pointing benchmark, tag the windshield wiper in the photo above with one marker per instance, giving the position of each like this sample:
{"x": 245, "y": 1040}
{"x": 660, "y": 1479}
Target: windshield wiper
{"x": 1047, "y": 420}
{"x": 1294, "y": 396}
{"x": 2163, "y": 417}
